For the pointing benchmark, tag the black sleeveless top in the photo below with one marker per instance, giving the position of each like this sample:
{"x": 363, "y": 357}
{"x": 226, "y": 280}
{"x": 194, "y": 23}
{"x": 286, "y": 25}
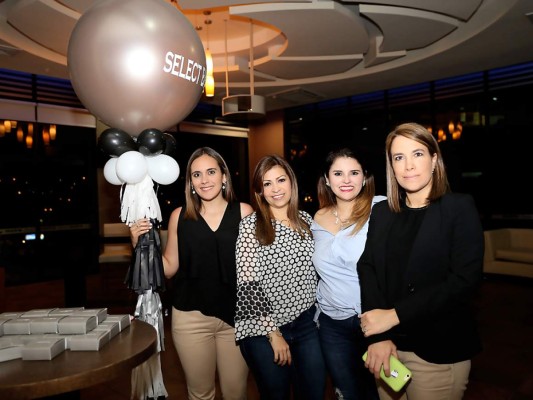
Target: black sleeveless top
{"x": 206, "y": 280}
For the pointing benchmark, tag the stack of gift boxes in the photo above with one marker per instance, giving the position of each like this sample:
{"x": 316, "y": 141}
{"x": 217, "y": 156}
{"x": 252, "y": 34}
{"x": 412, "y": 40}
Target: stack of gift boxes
{"x": 42, "y": 334}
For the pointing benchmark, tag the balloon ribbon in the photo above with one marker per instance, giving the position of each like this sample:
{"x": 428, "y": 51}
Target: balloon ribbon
{"x": 146, "y": 268}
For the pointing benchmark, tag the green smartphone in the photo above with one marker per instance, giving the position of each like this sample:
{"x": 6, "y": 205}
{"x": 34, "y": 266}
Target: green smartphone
{"x": 399, "y": 374}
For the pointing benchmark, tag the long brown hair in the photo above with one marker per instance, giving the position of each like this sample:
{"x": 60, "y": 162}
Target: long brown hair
{"x": 265, "y": 232}
{"x": 363, "y": 205}
{"x": 193, "y": 199}
{"x": 439, "y": 183}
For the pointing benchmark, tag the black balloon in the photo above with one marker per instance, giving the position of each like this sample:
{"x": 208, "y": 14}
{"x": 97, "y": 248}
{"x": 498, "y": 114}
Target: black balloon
{"x": 115, "y": 142}
{"x": 151, "y": 142}
{"x": 170, "y": 144}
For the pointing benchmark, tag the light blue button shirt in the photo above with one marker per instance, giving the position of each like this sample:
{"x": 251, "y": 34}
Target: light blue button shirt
{"x": 335, "y": 259}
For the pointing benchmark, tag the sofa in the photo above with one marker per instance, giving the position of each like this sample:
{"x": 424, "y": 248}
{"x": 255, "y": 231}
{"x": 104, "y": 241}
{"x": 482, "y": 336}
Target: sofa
{"x": 509, "y": 251}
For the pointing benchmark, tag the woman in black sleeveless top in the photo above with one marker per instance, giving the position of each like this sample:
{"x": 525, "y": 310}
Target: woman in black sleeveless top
{"x": 200, "y": 255}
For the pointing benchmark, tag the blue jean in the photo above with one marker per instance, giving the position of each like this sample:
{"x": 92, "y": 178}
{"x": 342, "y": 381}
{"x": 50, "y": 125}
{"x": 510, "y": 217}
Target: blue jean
{"x": 307, "y": 373}
{"x": 343, "y": 346}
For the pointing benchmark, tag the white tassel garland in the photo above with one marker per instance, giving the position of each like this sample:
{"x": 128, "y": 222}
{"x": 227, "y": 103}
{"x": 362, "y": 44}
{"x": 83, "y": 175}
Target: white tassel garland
{"x": 139, "y": 201}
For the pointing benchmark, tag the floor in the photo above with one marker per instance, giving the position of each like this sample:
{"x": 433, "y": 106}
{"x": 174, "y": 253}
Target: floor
{"x": 503, "y": 371}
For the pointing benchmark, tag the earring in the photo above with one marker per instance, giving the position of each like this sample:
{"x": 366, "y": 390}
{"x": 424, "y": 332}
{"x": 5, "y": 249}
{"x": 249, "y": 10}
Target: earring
{"x": 192, "y": 190}
{"x": 364, "y": 182}
{"x": 223, "y": 185}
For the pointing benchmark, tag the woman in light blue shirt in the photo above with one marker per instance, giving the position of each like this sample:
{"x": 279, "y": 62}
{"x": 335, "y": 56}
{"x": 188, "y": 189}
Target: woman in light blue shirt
{"x": 346, "y": 197}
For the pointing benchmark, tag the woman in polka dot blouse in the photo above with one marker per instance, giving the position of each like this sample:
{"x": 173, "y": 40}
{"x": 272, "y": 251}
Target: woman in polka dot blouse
{"x": 276, "y": 289}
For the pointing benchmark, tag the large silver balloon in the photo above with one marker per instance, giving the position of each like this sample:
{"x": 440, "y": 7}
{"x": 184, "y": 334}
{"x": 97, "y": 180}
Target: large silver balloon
{"x": 136, "y": 64}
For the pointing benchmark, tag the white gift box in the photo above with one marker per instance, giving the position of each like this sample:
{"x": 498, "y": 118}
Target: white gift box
{"x": 27, "y": 339}
{"x": 13, "y": 340}
{"x": 36, "y": 313}
{"x": 72, "y": 325}
{"x": 10, "y": 352}
{"x": 44, "y": 325}
{"x": 2, "y": 321}
{"x": 43, "y": 349}
{"x": 99, "y": 313}
{"x": 10, "y": 315}
{"x": 63, "y": 312}
{"x": 67, "y": 340}
{"x": 123, "y": 320}
{"x": 31, "y": 338}
{"x": 41, "y": 334}
{"x": 17, "y": 326}
{"x": 109, "y": 326}
{"x": 92, "y": 341}
{"x": 11, "y": 347}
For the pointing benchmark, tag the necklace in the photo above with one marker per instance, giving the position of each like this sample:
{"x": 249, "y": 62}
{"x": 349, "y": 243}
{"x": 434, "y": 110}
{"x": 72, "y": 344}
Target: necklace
{"x": 285, "y": 222}
{"x": 343, "y": 222}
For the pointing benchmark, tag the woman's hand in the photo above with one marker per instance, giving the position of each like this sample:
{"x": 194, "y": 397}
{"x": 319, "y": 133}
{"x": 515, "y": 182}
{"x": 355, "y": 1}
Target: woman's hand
{"x": 282, "y": 352}
{"x": 379, "y": 355}
{"x": 378, "y": 321}
{"x": 139, "y": 228}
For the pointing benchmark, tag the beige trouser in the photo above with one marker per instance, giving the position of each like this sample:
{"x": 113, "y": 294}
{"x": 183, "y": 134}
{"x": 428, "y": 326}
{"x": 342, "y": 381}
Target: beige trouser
{"x": 205, "y": 345}
{"x": 429, "y": 381}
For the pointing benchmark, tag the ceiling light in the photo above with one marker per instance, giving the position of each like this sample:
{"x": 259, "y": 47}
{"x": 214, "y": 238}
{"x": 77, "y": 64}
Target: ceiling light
{"x": 243, "y": 107}
{"x": 210, "y": 80}
{"x": 209, "y": 86}
{"x": 208, "y": 62}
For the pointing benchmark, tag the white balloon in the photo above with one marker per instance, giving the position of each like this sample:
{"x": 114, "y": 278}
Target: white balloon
{"x": 131, "y": 167}
{"x": 163, "y": 169}
{"x": 110, "y": 172}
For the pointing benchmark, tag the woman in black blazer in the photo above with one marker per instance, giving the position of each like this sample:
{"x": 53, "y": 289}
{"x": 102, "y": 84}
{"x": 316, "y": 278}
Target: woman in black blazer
{"x": 422, "y": 263}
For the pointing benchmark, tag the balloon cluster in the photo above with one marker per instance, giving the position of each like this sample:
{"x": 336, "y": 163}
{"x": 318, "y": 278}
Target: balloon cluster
{"x": 140, "y": 67}
{"x": 132, "y": 160}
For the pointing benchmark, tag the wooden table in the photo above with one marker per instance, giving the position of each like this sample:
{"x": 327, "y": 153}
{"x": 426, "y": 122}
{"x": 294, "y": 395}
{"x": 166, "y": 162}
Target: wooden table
{"x": 74, "y": 370}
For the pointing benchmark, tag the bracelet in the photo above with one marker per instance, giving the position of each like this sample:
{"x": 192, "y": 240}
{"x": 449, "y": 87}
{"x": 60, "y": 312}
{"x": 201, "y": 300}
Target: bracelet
{"x": 277, "y": 332}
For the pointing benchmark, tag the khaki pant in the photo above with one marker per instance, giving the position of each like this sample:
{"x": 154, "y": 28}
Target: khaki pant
{"x": 206, "y": 345}
{"x": 429, "y": 381}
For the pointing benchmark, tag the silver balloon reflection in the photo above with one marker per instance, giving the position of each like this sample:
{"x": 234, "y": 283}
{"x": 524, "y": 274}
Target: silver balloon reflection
{"x": 136, "y": 64}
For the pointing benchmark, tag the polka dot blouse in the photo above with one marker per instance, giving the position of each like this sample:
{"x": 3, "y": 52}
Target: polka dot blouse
{"x": 275, "y": 283}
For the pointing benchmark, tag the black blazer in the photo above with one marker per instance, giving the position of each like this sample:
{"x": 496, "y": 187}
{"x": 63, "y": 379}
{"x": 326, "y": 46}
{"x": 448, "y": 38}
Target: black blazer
{"x": 443, "y": 272}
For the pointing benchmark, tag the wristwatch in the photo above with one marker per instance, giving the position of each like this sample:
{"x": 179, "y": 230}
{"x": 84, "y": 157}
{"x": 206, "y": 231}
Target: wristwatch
{"x": 277, "y": 332}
